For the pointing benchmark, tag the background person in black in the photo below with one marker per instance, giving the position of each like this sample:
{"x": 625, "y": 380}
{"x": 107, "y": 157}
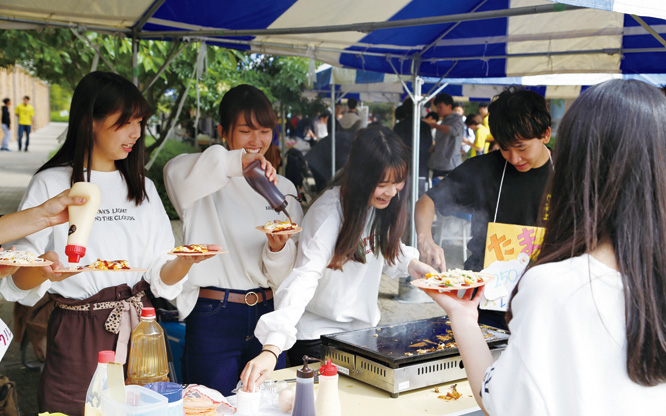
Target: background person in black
{"x": 520, "y": 122}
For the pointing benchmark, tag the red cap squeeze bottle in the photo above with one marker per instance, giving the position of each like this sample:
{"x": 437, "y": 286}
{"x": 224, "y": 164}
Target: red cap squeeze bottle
{"x": 328, "y": 399}
{"x": 81, "y": 218}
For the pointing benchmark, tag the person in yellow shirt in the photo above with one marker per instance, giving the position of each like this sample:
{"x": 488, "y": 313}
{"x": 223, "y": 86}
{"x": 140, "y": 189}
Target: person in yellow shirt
{"x": 25, "y": 113}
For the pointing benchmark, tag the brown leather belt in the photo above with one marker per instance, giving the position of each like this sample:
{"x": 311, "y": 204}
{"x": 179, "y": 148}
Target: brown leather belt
{"x": 250, "y": 298}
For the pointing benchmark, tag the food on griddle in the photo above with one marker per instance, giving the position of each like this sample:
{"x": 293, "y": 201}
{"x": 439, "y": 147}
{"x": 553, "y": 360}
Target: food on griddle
{"x": 418, "y": 344}
{"x": 454, "y": 278}
{"x": 409, "y": 354}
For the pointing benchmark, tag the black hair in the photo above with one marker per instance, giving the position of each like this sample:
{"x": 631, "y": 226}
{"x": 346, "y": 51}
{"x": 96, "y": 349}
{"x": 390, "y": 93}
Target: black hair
{"x": 483, "y": 105}
{"x": 376, "y": 152}
{"x": 97, "y": 96}
{"x": 610, "y": 186}
{"x": 458, "y": 104}
{"x": 433, "y": 115}
{"x": 443, "y": 98}
{"x": 26, "y": 98}
{"x": 517, "y": 114}
{"x": 352, "y": 103}
{"x": 6, "y": 100}
{"x": 249, "y": 101}
{"x": 473, "y": 119}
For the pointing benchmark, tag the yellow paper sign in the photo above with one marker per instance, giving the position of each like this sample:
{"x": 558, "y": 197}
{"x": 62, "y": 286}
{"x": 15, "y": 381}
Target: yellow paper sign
{"x": 506, "y": 241}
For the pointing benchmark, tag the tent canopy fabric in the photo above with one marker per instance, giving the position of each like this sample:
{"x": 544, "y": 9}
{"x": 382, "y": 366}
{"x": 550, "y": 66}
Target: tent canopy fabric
{"x": 463, "y": 38}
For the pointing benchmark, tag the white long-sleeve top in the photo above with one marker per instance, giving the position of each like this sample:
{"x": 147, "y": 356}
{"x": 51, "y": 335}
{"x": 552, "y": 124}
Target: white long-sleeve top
{"x": 568, "y": 349}
{"x": 218, "y": 206}
{"x": 315, "y": 300}
{"x": 121, "y": 231}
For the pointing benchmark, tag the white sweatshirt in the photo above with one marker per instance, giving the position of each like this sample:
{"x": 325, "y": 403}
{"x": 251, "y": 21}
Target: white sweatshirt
{"x": 218, "y": 206}
{"x": 121, "y": 231}
{"x": 315, "y": 300}
{"x": 567, "y": 354}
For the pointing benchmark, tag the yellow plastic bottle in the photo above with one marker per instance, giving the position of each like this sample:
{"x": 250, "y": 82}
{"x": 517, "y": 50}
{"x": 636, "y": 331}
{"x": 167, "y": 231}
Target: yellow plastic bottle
{"x": 148, "y": 357}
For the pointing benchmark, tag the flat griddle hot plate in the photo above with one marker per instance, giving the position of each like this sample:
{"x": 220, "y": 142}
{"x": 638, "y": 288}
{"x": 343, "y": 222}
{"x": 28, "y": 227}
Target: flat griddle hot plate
{"x": 388, "y": 344}
{"x": 377, "y": 356}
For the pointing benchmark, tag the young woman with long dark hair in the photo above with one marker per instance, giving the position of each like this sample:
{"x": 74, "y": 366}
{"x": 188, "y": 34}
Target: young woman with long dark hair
{"x": 225, "y": 297}
{"x": 351, "y": 235}
{"x": 588, "y": 317}
{"x": 105, "y": 146}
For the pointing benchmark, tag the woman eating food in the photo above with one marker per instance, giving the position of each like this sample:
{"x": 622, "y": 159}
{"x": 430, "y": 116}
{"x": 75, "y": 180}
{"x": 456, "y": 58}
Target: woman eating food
{"x": 351, "y": 235}
{"x": 588, "y": 317}
{"x": 104, "y": 146}
{"x": 225, "y": 297}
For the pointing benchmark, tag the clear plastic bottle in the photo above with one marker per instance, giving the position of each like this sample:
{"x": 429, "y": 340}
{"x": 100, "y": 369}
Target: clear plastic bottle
{"x": 328, "y": 399}
{"x": 304, "y": 402}
{"x": 148, "y": 358}
{"x": 98, "y": 384}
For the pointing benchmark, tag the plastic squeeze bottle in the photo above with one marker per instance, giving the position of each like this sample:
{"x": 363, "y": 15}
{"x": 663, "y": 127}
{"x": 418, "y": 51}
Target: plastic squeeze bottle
{"x": 98, "y": 384}
{"x": 148, "y": 358}
{"x": 81, "y": 218}
{"x": 256, "y": 177}
{"x": 304, "y": 401}
{"x": 328, "y": 399}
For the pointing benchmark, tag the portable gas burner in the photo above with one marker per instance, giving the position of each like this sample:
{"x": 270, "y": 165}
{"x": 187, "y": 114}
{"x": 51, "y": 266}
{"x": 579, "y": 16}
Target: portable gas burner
{"x": 402, "y": 357}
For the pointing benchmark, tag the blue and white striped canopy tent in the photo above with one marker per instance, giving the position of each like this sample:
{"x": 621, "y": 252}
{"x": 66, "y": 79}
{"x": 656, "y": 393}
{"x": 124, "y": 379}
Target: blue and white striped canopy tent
{"x": 462, "y": 38}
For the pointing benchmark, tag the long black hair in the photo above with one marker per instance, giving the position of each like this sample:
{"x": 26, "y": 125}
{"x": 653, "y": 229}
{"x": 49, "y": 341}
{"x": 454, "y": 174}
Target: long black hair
{"x": 376, "y": 154}
{"x": 249, "y": 101}
{"x": 610, "y": 185}
{"x": 97, "y": 96}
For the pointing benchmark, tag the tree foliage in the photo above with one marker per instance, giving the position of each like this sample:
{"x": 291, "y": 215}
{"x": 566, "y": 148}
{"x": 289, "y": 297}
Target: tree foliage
{"x": 60, "y": 57}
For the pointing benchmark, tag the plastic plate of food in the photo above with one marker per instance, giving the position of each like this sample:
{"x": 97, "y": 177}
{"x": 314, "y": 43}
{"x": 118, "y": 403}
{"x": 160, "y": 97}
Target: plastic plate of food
{"x": 456, "y": 279}
{"x": 22, "y": 258}
{"x": 104, "y": 266}
{"x": 279, "y": 227}
{"x": 194, "y": 250}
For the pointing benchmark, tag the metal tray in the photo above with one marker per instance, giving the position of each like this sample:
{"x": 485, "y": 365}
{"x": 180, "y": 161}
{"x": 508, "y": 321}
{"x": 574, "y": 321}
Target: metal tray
{"x": 388, "y": 344}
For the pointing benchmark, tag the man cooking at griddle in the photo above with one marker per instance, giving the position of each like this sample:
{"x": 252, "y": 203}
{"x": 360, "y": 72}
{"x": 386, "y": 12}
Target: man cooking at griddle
{"x": 505, "y": 186}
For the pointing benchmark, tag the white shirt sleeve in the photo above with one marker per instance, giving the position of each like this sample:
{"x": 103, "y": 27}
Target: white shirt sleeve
{"x": 316, "y": 247}
{"x": 514, "y": 384}
{"x": 278, "y": 265}
{"x": 191, "y": 177}
{"x": 164, "y": 242}
{"x": 400, "y": 267}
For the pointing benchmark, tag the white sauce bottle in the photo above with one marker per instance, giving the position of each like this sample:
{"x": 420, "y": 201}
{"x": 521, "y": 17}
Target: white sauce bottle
{"x": 81, "y": 218}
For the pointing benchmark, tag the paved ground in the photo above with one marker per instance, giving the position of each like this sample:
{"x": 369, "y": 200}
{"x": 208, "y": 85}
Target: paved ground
{"x": 398, "y": 304}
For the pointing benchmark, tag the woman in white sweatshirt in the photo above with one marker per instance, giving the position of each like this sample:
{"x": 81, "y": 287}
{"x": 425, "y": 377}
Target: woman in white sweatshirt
{"x": 351, "y": 235}
{"x": 94, "y": 310}
{"x": 225, "y": 297}
{"x": 588, "y": 317}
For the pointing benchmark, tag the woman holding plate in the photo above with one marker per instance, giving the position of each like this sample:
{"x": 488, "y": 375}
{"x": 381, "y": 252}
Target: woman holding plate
{"x": 94, "y": 310}
{"x": 225, "y": 297}
{"x": 588, "y": 317}
{"x": 351, "y": 235}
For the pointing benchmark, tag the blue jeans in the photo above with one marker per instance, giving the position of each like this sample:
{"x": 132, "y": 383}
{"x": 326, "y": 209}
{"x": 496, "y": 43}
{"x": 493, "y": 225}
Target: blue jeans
{"x": 219, "y": 341}
{"x": 6, "y": 137}
{"x": 24, "y": 128}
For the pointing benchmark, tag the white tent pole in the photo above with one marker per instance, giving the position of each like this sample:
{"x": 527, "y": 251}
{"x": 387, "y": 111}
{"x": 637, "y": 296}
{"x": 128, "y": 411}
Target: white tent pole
{"x": 416, "y": 132}
{"x": 332, "y": 132}
{"x": 135, "y": 53}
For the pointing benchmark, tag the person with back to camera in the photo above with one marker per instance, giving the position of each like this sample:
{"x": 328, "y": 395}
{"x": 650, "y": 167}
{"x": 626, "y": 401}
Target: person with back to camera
{"x": 351, "y": 235}
{"x": 445, "y": 155}
{"x": 104, "y": 146}
{"x": 223, "y": 298}
{"x": 598, "y": 281}
{"x": 351, "y": 120}
{"x": 503, "y": 187}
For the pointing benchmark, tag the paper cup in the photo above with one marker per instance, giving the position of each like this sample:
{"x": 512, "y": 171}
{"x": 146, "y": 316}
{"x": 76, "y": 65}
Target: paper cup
{"x": 248, "y": 403}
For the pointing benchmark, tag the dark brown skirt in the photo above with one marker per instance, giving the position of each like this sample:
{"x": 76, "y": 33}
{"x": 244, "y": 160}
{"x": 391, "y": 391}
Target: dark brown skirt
{"x": 73, "y": 340}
